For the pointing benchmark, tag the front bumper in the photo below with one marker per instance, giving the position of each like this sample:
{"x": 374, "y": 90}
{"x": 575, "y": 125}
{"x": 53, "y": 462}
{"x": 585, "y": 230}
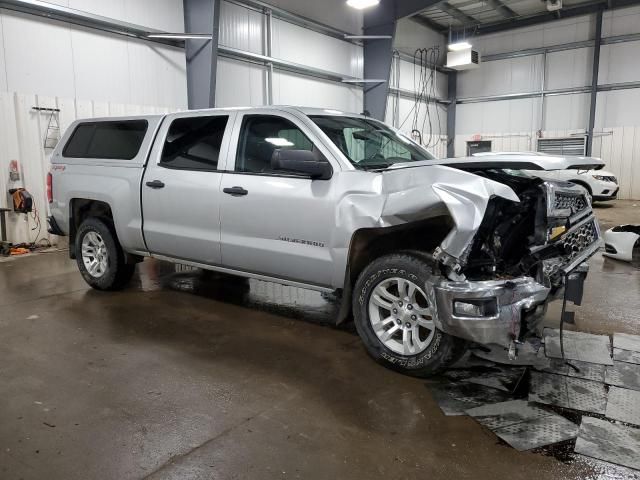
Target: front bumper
{"x": 513, "y": 307}
{"x": 606, "y": 194}
{"x": 505, "y": 299}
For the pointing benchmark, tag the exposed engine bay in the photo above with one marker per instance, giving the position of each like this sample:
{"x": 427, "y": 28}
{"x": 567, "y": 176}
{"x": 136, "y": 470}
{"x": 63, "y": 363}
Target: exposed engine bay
{"x": 522, "y": 256}
{"x": 531, "y": 237}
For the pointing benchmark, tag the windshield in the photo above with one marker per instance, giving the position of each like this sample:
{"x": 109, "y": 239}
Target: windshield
{"x": 369, "y": 144}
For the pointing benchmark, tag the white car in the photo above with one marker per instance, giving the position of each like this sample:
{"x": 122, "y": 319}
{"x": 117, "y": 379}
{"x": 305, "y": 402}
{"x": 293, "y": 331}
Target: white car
{"x": 600, "y": 184}
{"x": 622, "y": 242}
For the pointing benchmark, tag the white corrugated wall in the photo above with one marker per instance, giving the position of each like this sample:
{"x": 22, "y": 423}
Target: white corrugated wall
{"x": 243, "y": 83}
{"x": 84, "y": 73}
{"x": 516, "y": 124}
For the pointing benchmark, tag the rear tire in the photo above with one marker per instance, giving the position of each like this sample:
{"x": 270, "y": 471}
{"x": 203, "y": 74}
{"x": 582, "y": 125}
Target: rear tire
{"x": 100, "y": 258}
{"x": 394, "y": 313}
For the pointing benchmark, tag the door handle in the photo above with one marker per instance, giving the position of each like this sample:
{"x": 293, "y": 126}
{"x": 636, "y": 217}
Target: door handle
{"x": 155, "y": 184}
{"x": 235, "y": 191}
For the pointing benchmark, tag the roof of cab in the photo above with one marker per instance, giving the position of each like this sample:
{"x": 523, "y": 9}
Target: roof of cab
{"x": 283, "y": 108}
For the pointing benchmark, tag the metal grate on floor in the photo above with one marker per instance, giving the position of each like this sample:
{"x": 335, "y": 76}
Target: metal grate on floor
{"x": 625, "y": 375}
{"x": 523, "y": 425}
{"x": 580, "y": 346}
{"x": 609, "y": 442}
{"x": 623, "y": 405}
{"x": 568, "y": 392}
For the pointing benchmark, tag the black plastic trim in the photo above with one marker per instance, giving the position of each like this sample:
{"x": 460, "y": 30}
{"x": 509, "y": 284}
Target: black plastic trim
{"x": 54, "y": 228}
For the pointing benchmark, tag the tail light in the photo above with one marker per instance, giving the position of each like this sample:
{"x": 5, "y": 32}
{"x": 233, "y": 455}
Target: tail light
{"x": 49, "y": 187}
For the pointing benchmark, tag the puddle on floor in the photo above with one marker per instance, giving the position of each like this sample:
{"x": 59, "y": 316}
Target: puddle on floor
{"x": 291, "y": 302}
{"x": 320, "y": 308}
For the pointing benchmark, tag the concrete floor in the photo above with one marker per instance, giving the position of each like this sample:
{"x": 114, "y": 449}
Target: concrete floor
{"x": 191, "y": 376}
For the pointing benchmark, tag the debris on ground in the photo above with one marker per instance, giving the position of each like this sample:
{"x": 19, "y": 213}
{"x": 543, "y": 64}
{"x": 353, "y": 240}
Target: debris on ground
{"x": 540, "y": 399}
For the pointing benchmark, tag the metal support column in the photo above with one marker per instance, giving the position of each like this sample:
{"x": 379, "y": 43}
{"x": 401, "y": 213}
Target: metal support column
{"x": 378, "y": 55}
{"x": 268, "y": 51}
{"x": 594, "y": 81}
{"x": 202, "y": 16}
{"x": 543, "y": 88}
{"x": 452, "y": 87}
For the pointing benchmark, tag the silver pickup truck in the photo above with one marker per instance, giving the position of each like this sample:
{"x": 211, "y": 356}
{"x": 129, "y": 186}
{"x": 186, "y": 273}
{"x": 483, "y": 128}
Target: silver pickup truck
{"x": 426, "y": 255}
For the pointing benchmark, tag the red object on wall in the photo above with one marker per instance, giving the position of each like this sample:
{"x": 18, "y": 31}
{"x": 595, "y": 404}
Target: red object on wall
{"x": 49, "y": 187}
{"x": 476, "y": 138}
{"x": 14, "y": 171}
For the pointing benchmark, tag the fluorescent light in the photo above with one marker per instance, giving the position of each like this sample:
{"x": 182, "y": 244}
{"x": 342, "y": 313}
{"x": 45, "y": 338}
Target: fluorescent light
{"x": 456, "y": 47}
{"x": 279, "y": 142}
{"x": 360, "y": 4}
{"x": 181, "y": 36}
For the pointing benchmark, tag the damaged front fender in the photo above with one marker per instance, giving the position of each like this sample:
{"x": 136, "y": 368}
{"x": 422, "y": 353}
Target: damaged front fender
{"x": 404, "y": 195}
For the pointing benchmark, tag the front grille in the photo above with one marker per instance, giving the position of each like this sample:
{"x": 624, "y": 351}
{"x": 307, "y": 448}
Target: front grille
{"x": 578, "y": 240}
{"x": 565, "y": 201}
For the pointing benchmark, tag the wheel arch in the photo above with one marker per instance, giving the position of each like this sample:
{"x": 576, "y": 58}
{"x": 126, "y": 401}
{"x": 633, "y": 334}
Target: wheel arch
{"x": 367, "y": 244}
{"x": 584, "y": 184}
{"x": 79, "y": 210}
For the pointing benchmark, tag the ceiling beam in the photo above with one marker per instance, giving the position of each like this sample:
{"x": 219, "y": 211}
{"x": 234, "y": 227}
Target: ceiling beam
{"x": 408, "y": 8}
{"x": 502, "y": 9}
{"x": 426, "y": 22}
{"x": 457, "y": 13}
{"x": 567, "y": 12}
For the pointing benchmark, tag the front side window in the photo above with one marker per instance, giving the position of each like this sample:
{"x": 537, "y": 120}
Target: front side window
{"x": 194, "y": 143}
{"x": 261, "y": 136}
{"x": 368, "y": 144}
{"x": 112, "y": 140}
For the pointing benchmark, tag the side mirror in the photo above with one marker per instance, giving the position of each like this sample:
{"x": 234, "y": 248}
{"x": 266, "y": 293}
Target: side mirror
{"x": 313, "y": 164}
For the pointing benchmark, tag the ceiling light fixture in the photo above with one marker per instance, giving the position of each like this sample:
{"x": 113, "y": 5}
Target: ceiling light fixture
{"x": 456, "y": 47}
{"x": 360, "y": 4}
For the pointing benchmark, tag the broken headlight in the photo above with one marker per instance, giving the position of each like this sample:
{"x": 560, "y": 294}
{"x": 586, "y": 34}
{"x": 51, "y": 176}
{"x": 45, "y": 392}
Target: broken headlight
{"x": 485, "y": 307}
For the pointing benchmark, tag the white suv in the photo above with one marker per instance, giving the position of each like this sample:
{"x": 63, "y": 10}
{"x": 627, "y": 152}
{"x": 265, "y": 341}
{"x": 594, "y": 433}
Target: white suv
{"x": 601, "y": 184}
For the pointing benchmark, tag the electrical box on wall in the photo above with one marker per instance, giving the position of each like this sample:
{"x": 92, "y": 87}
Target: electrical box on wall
{"x": 463, "y": 59}
{"x": 553, "y": 5}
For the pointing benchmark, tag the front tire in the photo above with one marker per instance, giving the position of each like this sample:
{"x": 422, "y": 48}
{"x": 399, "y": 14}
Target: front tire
{"x": 100, "y": 258}
{"x": 394, "y": 316}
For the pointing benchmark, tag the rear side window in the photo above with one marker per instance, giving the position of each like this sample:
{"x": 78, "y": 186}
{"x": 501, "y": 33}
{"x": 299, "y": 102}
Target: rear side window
{"x": 194, "y": 143}
{"x": 118, "y": 140}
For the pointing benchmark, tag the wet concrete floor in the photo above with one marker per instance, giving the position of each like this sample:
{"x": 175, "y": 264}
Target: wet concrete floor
{"x": 191, "y": 375}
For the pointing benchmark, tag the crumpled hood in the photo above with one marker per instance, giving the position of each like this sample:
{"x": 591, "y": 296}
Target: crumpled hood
{"x": 399, "y": 196}
{"x": 465, "y": 196}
